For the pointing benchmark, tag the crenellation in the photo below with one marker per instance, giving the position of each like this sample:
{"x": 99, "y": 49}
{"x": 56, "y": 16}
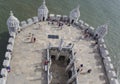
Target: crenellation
{"x": 101, "y": 41}
{"x": 4, "y": 72}
{"x": 6, "y": 63}
{"x": 81, "y": 21}
{"x": 114, "y": 81}
{"x": 11, "y": 40}
{"x": 13, "y": 35}
{"x": 58, "y": 17}
{"x": 107, "y": 59}
{"x": 10, "y": 47}
{"x": 86, "y": 25}
{"x": 8, "y": 55}
{"x": 35, "y": 19}
{"x": 111, "y": 74}
{"x": 3, "y": 80}
{"x": 29, "y": 21}
{"x": 65, "y": 17}
{"x": 91, "y": 30}
{"x": 52, "y": 16}
{"x": 23, "y": 24}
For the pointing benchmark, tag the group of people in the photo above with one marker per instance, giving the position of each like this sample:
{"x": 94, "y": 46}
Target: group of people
{"x": 86, "y": 33}
{"x": 80, "y": 69}
{"x": 32, "y": 38}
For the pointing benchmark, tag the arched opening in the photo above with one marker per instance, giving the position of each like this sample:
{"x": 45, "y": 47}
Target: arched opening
{"x": 62, "y": 58}
{"x": 43, "y": 18}
{"x": 53, "y": 57}
{"x": 72, "y": 21}
{"x": 69, "y": 74}
{"x": 68, "y": 61}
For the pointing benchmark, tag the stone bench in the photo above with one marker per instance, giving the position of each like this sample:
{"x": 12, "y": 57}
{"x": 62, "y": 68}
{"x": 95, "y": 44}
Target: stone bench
{"x": 8, "y": 55}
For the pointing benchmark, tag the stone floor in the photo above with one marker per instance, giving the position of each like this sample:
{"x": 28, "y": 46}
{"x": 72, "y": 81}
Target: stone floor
{"x": 28, "y": 58}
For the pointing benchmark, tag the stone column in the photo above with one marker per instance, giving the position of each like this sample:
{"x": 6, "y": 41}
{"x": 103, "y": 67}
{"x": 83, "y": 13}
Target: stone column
{"x": 60, "y": 48}
{"x": 58, "y": 55}
{"x": 72, "y": 79}
{"x": 70, "y": 65}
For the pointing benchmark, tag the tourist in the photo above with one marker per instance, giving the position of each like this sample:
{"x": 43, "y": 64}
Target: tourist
{"x": 34, "y": 40}
{"x": 46, "y": 62}
{"x": 89, "y": 70}
{"x": 48, "y": 22}
{"x": 8, "y": 69}
{"x": 80, "y": 68}
{"x": 75, "y": 53}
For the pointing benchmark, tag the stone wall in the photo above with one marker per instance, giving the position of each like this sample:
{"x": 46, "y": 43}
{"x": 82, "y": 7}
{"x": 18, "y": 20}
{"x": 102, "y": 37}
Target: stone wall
{"x": 6, "y": 63}
{"x": 29, "y": 22}
{"x": 109, "y": 68}
{"x": 104, "y": 53}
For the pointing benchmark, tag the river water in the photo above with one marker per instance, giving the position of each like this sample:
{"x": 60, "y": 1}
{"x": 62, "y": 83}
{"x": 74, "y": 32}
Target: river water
{"x": 94, "y": 12}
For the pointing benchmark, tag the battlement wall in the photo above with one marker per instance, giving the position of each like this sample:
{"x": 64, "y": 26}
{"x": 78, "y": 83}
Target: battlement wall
{"x": 110, "y": 71}
{"x": 104, "y": 53}
{"x": 8, "y": 55}
{"x": 29, "y": 22}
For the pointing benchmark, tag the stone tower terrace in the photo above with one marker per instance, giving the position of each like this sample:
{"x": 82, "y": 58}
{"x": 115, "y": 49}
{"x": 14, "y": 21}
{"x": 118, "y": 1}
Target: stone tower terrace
{"x": 28, "y": 58}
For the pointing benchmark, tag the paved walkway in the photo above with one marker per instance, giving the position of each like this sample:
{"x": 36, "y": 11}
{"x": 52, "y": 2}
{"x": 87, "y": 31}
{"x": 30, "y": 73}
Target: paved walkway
{"x": 27, "y": 60}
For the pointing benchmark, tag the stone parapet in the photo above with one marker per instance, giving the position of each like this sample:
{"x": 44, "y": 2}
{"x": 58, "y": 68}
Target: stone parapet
{"x": 109, "y": 68}
{"x": 35, "y": 19}
{"x": 29, "y": 21}
{"x": 6, "y": 61}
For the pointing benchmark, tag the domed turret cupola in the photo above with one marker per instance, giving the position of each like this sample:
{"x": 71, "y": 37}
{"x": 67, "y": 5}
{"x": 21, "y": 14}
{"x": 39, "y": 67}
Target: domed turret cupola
{"x": 74, "y": 15}
{"x": 43, "y": 12}
{"x": 12, "y": 23}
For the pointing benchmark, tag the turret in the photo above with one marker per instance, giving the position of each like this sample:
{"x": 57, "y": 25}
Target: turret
{"x": 13, "y": 23}
{"x": 101, "y": 31}
{"x": 74, "y": 15}
{"x": 43, "y": 12}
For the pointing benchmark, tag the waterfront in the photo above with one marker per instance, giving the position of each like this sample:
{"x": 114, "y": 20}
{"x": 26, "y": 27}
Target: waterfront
{"x": 95, "y": 13}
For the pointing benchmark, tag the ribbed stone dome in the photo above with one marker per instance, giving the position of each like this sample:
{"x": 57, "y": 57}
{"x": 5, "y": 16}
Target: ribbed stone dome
{"x": 75, "y": 14}
{"x": 43, "y": 11}
{"x": 101, "y": 31}
{"x": 12, "y": 20}
{"x": 12, "y": 23}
